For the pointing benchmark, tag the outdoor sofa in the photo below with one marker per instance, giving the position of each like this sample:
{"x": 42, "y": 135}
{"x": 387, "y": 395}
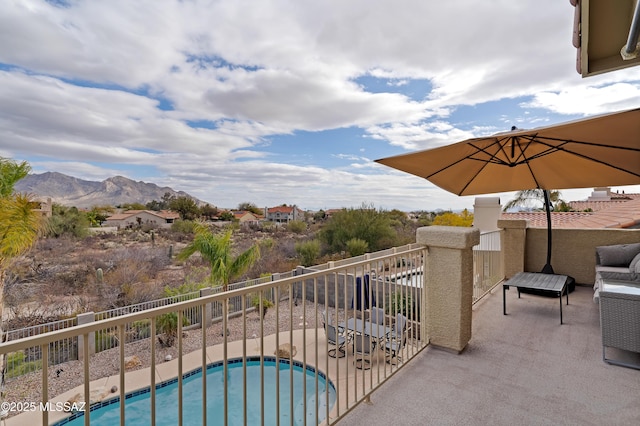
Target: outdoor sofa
{"x": 620, "y": 262}
{"x": 617, "y": 291}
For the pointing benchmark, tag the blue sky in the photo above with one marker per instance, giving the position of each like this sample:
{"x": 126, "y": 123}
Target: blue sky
{"x": 283, "y": 101}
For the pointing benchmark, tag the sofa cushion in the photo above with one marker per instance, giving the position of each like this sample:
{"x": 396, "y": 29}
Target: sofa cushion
{"x": 620, "y": 276}
{"x": 634, "y": 266}
{"x": 617, "y": 255}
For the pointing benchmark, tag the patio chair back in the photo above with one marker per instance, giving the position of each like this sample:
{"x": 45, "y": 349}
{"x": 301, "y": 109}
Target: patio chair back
{"x": 363, "y": 347}
{"x": 377, "y": 315}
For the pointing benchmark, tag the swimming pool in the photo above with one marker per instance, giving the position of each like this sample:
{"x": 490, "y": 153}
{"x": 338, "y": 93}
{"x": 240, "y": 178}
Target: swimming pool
{"x": 138, "y": 405}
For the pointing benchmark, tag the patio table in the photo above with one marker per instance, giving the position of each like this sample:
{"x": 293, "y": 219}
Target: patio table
{"x": 377, "y": 332}
{"x": 539, "y": 281}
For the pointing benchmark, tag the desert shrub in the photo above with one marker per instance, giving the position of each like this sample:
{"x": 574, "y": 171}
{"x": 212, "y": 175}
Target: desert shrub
{"x": 183, "y": 226}
{"x": 296, "y": 226}
{"x": 141, "y": 328}
{"x": 67, "y": 221}
{"x": 266, "y": 303}
{"x": 168, "y": 323}
{"x": 402, "y": 303}
{"x": 17, "y": 366}
{"x": 308, "y": 251}
{"x": 357, "y": 247}
{"x": 73, "y": 280}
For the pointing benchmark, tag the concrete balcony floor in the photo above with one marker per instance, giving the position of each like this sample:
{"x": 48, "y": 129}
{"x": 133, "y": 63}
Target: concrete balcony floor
{"x": 523, "y": 368}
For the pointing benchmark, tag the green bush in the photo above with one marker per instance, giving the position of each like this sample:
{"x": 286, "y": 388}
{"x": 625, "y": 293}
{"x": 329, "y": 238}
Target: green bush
{"x": 365, "y": 223}
{"x": 168, "y": 326}
{"x": 183, "y": 226}
{"x": 402, "y": 303}
{"x": 296, "y": 226}
{"x": 357, "y": 247}
{"x": 16, "y": 366}
{"x": 308, "y": 251}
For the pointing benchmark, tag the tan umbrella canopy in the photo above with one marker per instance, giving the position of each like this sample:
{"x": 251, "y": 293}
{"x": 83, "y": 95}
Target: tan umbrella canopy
{"x": 598, "y": 151}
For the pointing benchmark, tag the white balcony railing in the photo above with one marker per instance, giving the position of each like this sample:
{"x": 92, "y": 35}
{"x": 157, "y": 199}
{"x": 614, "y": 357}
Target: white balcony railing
{"x": 488, "y": 269}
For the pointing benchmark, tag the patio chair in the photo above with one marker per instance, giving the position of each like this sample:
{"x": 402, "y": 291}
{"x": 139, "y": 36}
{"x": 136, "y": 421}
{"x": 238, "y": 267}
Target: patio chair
{"x": 397, "y": 339}
{"x": 376, "y": 316}
{"x": 334, "y": 338}
{"x": 363, "y": 347}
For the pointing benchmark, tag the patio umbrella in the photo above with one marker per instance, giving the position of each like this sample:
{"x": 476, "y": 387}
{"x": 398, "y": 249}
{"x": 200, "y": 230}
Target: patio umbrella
{"x": 592, "y": 152}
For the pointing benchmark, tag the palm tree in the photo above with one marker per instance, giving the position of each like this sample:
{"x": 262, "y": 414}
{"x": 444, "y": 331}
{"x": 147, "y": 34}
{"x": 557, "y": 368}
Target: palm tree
{"x": 526, "y": 197}
{"x": 19, "y": 228}
{"x": 218, "y": 251}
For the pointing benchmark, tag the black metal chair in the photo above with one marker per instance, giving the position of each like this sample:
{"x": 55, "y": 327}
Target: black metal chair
{"x": 334, "y": 337}
{"x": 363, "y": 347}
{"x": 397, "y": 339}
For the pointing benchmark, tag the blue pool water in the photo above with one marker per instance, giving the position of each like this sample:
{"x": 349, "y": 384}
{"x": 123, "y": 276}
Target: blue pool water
{"x": 138, "y": 405}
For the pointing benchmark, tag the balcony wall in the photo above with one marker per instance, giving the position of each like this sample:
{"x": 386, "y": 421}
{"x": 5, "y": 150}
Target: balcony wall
{"x": 573, "y": 250}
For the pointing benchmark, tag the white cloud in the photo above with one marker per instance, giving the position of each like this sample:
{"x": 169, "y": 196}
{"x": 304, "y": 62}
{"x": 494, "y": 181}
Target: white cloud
{"x": 247, "y": 71}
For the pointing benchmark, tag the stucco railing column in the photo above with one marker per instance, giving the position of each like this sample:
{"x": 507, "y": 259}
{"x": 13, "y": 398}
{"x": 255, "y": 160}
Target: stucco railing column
{"x": 513, "y": 239}
{"x": 86, "y": 318}
{"x": 448, "y": 284}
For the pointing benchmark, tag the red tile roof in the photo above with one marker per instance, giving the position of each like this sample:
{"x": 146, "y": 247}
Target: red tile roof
{"x": 606, "y": 214}
{"x": 280, "y": 209}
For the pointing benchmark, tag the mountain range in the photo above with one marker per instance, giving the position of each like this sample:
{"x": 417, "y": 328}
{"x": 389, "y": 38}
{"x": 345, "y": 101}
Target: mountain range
{"x": 71, "y": 191}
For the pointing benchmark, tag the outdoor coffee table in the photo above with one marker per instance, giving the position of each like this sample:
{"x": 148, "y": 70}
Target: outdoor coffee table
{"x": 552, "y": 283}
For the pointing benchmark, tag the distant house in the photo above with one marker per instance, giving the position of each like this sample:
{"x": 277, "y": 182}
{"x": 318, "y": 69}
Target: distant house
{"x": 283, "y": 214}
{"x": 246, "y": 217}
{"x": 133, "y": 218}
{"x": 44, "y": 207}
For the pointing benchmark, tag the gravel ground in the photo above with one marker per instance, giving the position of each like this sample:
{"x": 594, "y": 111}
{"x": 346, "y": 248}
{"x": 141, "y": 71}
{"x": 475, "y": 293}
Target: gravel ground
{"x": 106, "y": 363}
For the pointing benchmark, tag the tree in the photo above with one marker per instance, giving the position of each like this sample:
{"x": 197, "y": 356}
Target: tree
{"x": 186, "y": 206}
{"x": 67, "y": 221}
{"x": 319, "y": 215}
{"x": 250, "y": 207}
{"x": 98, "y": 214}
{"x": 227, "y": 216}
{"x": 217, "y": 250}
{"x": 465, "y": 218}
{"x": 163, "y": 204}
{"x": 529, "y": 197}
{"x": 132, "y": 206}
{"x": 19, "y": 228}
{"x": 208, "y": 211}
{"x": 365, "y": 223}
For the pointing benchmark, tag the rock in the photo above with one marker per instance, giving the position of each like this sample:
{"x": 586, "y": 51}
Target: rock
{"x": 132, "y": 362}
{"x": 114, "y": 389}
{"x": 286, "y": 351}
{"x": 168, "y": 358}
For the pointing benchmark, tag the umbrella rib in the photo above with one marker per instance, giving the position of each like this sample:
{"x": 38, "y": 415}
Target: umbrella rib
{"x": 470, "y": 157}
{"x": 565, "y": 142}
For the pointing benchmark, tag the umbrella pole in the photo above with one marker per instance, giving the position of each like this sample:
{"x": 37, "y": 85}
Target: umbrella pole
{"x": 548, "y": 269}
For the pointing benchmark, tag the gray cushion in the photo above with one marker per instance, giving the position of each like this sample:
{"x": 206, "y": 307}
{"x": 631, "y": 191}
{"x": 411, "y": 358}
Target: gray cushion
{"x": 620, "y": 276}
{"x": 617, "y": 255}
{"x": 634, "y": 266}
